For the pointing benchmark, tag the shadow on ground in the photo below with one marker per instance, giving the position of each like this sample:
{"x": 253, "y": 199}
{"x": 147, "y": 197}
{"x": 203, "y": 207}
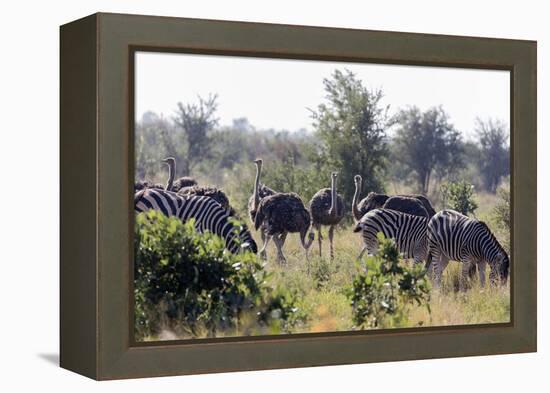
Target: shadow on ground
{"x": 52, "y": 358}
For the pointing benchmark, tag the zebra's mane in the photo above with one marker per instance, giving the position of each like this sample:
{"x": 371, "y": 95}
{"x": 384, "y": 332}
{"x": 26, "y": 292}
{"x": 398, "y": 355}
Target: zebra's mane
{"x": 492, "y": 236}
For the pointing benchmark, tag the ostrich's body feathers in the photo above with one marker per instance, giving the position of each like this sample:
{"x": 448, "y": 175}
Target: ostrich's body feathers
{"x": 417, "y": 205}
{"x": 183, "y": 182}
{"x": 141, "y": 184}
{"x": 320, "y": 207}
{"x": 211, "y": 192}
{"x": 263, "y": 191}
{"x": 407, "y": 205}
{"x": 282, "y": 212}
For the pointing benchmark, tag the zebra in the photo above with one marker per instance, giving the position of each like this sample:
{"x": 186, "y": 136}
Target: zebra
{"x": 208, "y": 215}
{"x": 452, "y": 235}
{"x": 408, "y": 231}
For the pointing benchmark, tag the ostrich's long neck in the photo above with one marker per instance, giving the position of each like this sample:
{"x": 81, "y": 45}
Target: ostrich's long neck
{"x": 171, "y": 175}
{"x": 355, "y": 200}
{"x": 333, "y": 204}
{"x": 257, "y": 186}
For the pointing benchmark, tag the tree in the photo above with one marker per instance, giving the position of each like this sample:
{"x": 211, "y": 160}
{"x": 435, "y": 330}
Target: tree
{"x": 351, "y": 126}
{"x": 459, "y": 196}
{"x": 196, "y": 121}
{"x": 427, "y": 143}
{"x": 494, "y": 160}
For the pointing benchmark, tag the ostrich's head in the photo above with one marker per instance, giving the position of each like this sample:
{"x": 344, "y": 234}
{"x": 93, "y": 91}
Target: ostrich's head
{"x": 170, "y": 161}
{"x": 357, "y": 179}
{"x": 258, "y": 162}
{"x": 334, "y": 175}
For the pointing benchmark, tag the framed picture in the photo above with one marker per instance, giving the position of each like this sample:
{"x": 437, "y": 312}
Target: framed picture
{"x": 242, "y": 196}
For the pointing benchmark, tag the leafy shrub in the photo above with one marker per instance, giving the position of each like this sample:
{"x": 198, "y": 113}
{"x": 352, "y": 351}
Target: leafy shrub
{"x": 459, "y": 196}
{"x": 280, "y": 312}
{"x": 381, "y": 298}
{"x": 501, "y": 214}
{"x": 188, "y": 280}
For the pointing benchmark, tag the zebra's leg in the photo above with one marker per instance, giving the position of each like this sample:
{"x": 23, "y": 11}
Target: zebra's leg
{"x": 440, "y": 262}
{"x": 472, "y": 270}
{"x": 330, "y": 237}
{"x": 481, "y": 265}
{"x": 360, "y": 257}
{"x": 279, "y": 241}
{"x": 465, "y": 274}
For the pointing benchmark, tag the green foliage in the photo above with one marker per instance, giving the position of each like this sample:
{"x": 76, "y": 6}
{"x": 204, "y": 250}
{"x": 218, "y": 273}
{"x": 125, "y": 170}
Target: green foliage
{"x": 150, "y": 141}
{"x": 287, "y": 176}
{"x": 188, "y": 279}
{"x": 382, "y": 297}
{"x": 494, "y": 159}
{"x": 501, "y": 214}
{"x": 196, "y": 121}
{"x": 459, "y": 196}
{"x": 280, "y": 312}
{"x": 352, "y": 127}
{"x": 426, "y": 143}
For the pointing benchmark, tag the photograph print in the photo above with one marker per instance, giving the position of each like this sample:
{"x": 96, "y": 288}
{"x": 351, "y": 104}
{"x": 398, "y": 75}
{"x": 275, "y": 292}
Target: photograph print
{"x": 283, "y": 196}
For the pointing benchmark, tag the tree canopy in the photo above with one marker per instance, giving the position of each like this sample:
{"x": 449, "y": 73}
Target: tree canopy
{"x": 351, "y": 125}
{"x": 427, "y": 143}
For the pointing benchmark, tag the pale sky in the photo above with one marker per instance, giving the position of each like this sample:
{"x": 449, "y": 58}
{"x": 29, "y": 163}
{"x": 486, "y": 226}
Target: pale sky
{"x": 275, "y": 93}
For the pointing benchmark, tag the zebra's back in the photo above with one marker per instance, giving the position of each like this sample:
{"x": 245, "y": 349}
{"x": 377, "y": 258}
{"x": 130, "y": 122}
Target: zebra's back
{"x": 207, "y": 213}
{"x": 453, "y": 234}
{"x": 408, "y": 231}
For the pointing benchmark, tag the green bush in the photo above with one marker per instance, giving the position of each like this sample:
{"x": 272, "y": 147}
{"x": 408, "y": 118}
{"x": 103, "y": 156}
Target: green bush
{"x": 188, "y": 281}
{"x": 382, "y": 297}
{"x": 501, "y": 214}
{"x": 459, "y": 196}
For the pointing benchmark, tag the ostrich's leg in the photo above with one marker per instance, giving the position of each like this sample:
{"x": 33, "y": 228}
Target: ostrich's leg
{"x": 319, "y": 239}
{"x": 266, "y": 238}
{"x": 263, "y": 252}
{"x": 279, "y": 241}
{"x": 330, "y": 237}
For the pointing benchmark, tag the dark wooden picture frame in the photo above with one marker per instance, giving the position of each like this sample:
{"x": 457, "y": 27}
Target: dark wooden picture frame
{"x": 97, "y": 195}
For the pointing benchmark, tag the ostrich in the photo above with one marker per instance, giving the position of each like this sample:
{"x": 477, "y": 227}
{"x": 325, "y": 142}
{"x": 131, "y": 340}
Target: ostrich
{"x": 176, "y": 185}
{"x": 211, "y": 192}
{"x": 327, "y": 208}
{"x": 280, "y": 214}
{"x": 414, "y": 204}
{"x": 141, "y": 184}
{"x": 260, "y": 191}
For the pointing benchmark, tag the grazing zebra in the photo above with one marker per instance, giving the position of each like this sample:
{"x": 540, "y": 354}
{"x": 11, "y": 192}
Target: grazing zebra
{"x": 208, "y": 215}
{"x": 408, "y": 231}
{"x": 452, "y": 235}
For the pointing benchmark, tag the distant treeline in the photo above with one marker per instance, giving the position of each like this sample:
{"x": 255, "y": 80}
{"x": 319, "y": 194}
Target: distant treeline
{"x": 352, "y": 134}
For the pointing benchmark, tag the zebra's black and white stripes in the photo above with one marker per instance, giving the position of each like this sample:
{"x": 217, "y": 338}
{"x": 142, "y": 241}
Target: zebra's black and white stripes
{"x": 408, "y": 231}
{"x": 208, "y": 215}
{"x": 452, "y": 235}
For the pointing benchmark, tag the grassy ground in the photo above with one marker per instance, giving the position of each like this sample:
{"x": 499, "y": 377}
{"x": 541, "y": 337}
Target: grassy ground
{"x": 322, "y": 291}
